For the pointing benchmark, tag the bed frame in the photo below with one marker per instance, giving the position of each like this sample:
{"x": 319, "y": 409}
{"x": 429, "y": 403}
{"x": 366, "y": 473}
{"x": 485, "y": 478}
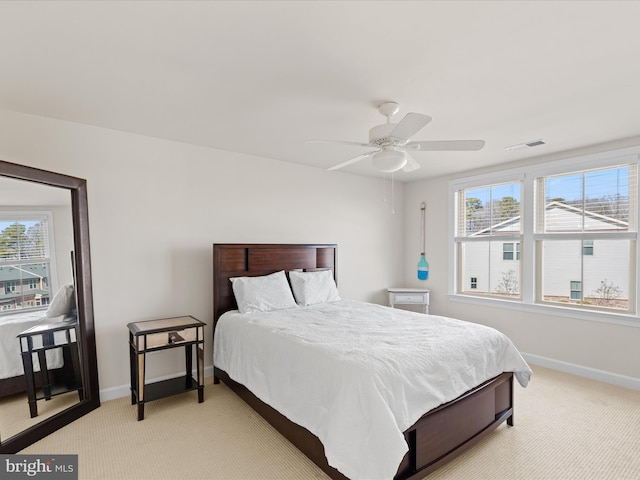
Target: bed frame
{"x": 435, "y": 439}
{"x": 13, "y": 385}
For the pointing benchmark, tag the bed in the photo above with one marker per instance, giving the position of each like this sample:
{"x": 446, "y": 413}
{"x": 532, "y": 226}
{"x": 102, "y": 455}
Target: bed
{"x": 432, "y": 438}
{"x": 12, "y": 379}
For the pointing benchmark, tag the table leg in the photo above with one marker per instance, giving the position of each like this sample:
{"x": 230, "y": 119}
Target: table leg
{"x": 188, "y": 354}
{"x": 27, "y": 362}
{"x": 76, "y": 381}
{"x": 133, "y": 373}
{"x": 140, "y": 386}
{"x": 200, "y": 353}
{"x": 44, "y": 371}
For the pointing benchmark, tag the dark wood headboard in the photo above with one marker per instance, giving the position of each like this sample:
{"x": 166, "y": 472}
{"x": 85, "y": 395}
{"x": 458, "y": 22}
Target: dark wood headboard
{"x": 253, "y": 259}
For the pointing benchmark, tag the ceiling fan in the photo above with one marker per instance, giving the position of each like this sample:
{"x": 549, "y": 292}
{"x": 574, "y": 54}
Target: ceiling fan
{"x": 391, "y": 141}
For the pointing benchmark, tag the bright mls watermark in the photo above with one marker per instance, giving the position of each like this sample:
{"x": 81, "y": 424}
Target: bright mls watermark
{"x": 50, "y": 467}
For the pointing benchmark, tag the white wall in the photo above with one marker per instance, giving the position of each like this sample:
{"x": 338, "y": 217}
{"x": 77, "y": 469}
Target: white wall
{"x": 156, "y": 207}
{"x": 581, "y": 346}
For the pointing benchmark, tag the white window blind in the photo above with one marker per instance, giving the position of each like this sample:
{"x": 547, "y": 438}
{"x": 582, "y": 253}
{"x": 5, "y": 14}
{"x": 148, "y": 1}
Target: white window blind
{"x": 576, "y": 225}
{"x": 487, "y": 216}
{"x": 25, "y": 261}
{"x": 586, "y": 235}
{"x": 590, "y": 201}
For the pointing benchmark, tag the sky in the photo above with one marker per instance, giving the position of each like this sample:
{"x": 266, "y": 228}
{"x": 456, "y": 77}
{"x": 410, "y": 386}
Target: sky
{"x": 598, "y": 183}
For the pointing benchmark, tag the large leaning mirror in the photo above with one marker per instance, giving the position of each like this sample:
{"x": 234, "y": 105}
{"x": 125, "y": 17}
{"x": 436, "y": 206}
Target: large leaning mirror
{"x": 48, "y": 365}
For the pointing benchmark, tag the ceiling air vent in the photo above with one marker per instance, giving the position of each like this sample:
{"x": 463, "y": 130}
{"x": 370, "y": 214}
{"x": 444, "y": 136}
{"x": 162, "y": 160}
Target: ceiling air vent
{"x": 532, "y": 143}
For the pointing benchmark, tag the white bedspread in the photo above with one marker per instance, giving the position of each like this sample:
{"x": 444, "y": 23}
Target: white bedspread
{"x": 10, "y": 327}
{"x": 357, "y": 375}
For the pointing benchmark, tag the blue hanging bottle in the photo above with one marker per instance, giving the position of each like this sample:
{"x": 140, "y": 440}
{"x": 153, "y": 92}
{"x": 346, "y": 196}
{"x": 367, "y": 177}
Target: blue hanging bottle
{"x": 423, "y": 265}
{"x": 423, "y": 268}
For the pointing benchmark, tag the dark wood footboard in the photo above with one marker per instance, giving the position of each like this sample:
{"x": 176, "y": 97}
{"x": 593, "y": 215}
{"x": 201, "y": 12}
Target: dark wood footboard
{"x": 450, "y": 429}
{"x": 437, "y": 438}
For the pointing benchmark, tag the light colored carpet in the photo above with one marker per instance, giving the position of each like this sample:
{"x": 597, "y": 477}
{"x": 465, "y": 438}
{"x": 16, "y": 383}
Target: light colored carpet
{"x": 566, "y": 428}
{"x": 15, "y": 416}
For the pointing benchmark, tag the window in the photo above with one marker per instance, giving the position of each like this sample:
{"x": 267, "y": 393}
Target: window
{"x": 25, "y": 260}
{"x": 488, "y": 216}
{"x": 576, "y": 290}
{"x": 562, "y": 233}
{"x": 508, "y": 252}
{"x": 574, "y": 209}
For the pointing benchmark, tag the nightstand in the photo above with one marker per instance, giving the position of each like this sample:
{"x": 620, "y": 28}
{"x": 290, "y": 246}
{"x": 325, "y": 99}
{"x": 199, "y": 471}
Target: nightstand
{"x": 409, "y": 296}
{"x": 156, "y": 335}
{"x": 39, "y": 340}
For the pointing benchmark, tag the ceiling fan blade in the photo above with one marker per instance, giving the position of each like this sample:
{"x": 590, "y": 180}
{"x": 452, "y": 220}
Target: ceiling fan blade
{"x": 351, "y": 161}
{"x": 446, "y": 145}
{"x": 341, "y": 142}
{"x": 409, "y": 126}
{"x": 411, "y": 165}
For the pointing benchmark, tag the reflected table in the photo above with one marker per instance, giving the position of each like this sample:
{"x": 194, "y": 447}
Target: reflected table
{"x": 37, "y": 341}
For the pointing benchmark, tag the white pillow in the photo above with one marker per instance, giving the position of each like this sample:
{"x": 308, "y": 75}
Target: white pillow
{"x": 261, "y": 294}
{"x": 62, "y": 302}
{"x": 310, "y": 288}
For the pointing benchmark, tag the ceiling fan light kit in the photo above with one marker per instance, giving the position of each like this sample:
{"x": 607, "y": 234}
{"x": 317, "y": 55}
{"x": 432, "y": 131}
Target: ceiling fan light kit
{"x": 392, "y": 142}
{"x": 389, "y": 160}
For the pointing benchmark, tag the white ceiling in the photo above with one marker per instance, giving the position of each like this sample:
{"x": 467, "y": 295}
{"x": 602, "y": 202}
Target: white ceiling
{"x": 263, "y": 77}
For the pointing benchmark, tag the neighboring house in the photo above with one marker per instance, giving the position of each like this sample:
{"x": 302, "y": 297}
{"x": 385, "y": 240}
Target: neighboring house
{"x": 600, "y": 260}
{"x": 23, "y": 286}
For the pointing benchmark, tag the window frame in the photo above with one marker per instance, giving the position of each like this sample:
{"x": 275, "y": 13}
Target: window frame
{"x": 506, "y": 252}
{"x": 515, "y": 251}
{"x": 530, "y": 250}
{"x": 578, "y": 289}
{"x": 35, "y": 215}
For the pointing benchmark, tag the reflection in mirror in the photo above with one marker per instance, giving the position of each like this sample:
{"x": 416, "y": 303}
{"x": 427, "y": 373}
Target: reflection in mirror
{"x": 36, "y": 234}
{"x": 48, "y": 372}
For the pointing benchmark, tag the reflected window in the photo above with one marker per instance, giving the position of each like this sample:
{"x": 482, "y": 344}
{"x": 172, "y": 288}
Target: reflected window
{"x": 26, "y": 246}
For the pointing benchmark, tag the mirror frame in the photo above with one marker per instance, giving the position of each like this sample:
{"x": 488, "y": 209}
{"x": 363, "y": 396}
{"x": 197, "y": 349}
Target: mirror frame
{"x": 88, "y": 357}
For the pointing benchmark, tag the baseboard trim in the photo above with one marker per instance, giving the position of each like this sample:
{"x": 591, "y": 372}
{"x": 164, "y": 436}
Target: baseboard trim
{"x": 582, "y": 371}
{"x": 125, "y": 390}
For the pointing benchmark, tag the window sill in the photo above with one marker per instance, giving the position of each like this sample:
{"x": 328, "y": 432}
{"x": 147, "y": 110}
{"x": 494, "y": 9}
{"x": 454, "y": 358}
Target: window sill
{"x": 559, "y": 311}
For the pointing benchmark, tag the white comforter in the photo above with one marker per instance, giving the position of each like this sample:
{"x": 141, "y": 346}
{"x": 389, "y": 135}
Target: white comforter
{"x": 10, "y": 357}
{"x": 357, "y": 375}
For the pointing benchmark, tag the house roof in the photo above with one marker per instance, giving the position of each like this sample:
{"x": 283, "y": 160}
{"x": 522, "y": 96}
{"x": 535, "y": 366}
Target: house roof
{"x": 512, "y": 222}
{"x": 13, "y": 273}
